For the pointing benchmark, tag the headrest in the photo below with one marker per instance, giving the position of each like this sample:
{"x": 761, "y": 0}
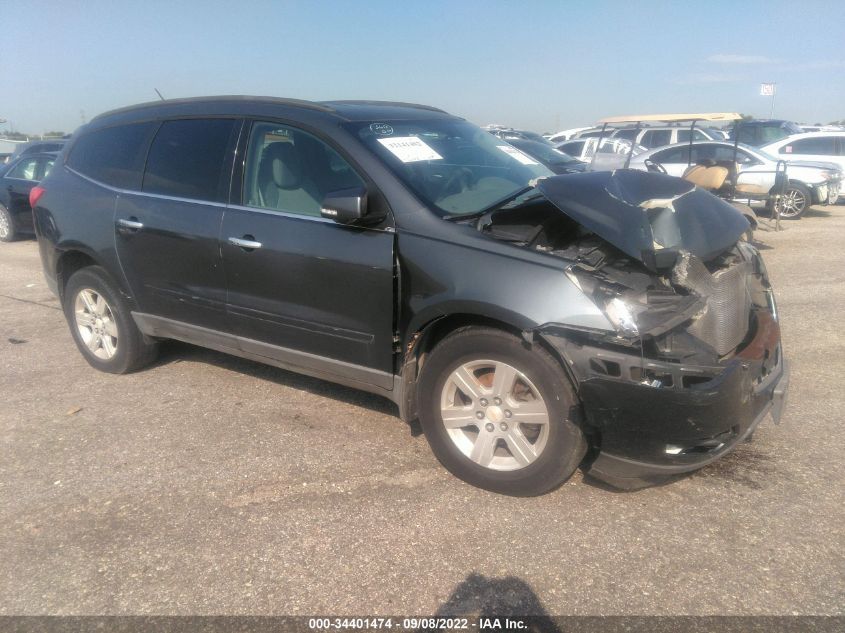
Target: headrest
{"x": 285, "y": 164}
{"x": 706, "y": 162}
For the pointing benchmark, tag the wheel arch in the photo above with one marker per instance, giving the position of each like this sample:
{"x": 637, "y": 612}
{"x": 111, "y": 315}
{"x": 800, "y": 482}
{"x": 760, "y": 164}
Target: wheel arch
{"x": 421, "y": 341}
{"x": 75, "y": 257}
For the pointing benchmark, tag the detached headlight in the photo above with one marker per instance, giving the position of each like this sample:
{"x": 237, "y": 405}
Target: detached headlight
{"x": 620, "y": 315}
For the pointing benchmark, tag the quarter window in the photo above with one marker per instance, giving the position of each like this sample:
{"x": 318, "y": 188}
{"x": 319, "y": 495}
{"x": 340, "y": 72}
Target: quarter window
{"x": 187, "y": 157}
{"x": 113, "y": 155}
{"x": 290, "y": 170}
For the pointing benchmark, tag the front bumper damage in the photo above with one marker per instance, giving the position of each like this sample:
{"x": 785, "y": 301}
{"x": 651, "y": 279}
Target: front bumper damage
{"x": 655, "y": 419}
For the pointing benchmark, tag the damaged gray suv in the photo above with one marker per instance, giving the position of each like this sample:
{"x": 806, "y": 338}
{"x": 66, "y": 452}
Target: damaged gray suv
{"x": 532, "y": 323}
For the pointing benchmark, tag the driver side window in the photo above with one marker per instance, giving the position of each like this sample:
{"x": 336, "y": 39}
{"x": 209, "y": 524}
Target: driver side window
{"x": 290, "y": 170}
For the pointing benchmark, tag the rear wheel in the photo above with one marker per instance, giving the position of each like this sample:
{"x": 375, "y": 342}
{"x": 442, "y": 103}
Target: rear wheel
{"x": 499, "y": 414}
{"x": 795, "y": 201}
{"x": 101, "y": 324}
{"x": 8, "y": 230}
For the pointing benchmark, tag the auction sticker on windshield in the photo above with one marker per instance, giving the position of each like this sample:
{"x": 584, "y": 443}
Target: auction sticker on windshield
{"x": 522, "y": 157}
{"x": 409, "y": 149}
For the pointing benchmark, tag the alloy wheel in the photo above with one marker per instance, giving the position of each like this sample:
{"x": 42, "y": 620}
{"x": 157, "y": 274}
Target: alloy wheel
{"x": 95, "y": 323}
{"x": 494, "y": 415}
{"x": 4, "y": 226}
{"x": 792, "y": 203}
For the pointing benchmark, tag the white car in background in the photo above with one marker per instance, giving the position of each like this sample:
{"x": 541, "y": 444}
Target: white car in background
{"x": 808, "y": 182}
{"x": 612, "y": 152}
{"x": 827, "y": 147}
{"x": 565, "y": 135}
{"x": 653, "y": 136}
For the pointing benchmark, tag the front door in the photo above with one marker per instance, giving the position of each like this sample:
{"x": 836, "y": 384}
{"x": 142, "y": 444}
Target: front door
{"x": 167, "y": 234}
{"x": 302, "y": 289}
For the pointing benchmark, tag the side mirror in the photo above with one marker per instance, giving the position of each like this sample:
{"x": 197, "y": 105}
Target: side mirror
{"x": 345, "y": 206}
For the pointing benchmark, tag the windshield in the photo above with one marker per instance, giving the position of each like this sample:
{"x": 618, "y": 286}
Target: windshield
{"x": 546, "y": 154}
{"x": 453, "y": 166}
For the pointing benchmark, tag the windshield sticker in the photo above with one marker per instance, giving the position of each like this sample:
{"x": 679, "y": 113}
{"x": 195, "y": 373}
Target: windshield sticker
{"x": 409, "y": 149}
{"x": 522, "y": 157}
{"x": 381, "y": 128}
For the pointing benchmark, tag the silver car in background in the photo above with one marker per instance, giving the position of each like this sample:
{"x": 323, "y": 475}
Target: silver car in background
{"x": 809, "y": 182}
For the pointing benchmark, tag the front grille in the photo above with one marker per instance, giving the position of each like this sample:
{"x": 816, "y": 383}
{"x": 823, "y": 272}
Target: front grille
{"x": 724, "y": 322}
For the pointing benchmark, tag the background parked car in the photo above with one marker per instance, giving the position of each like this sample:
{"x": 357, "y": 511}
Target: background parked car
{"x": 565, "y": 135}
{"x": 659, "y": 136}
{"x": 764, "y": 131}
{"x": 38, "y": 147}
{"x": 556, "y": 160}
{"x": 808, "y": 182}
{"x": 814, "y": 146}
{"x": 509, "y": 134}
{"x": 16, "y": 181}
{"x": 612, "y": 152}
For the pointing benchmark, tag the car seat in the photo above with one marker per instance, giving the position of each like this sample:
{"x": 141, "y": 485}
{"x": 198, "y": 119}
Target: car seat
{"x": 707, "y": 174}
{"x": 283, "y": 183}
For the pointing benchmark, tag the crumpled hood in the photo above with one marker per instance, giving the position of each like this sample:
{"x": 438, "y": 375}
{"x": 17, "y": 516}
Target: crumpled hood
{"x": 651, "y": 217}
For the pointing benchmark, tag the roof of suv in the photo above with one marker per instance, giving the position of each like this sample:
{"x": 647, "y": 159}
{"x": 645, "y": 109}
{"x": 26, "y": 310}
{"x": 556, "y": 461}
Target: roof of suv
{"x": 243, "y": 104}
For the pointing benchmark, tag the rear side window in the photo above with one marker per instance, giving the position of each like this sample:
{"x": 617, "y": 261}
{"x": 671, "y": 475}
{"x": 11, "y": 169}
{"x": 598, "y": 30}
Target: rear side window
{"x": 657, "y": 138}
{"x": 630, "y": 135}
{"x": 824, "y": 145}
{"x": 113, "y": 155}
{"x": 186, "y": 159}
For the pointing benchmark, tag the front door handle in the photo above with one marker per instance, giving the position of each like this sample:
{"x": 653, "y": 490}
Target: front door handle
{"x": 247, "y": 242}
{"x": 131, "y": 224}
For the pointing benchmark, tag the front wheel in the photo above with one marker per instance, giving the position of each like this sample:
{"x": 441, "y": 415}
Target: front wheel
{"x": 499, "y": 414}
{"x": 795, "y": 201}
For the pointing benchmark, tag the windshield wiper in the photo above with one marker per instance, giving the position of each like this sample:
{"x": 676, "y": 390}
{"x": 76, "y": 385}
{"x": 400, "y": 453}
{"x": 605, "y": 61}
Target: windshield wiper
{"x": 493, "y": 207}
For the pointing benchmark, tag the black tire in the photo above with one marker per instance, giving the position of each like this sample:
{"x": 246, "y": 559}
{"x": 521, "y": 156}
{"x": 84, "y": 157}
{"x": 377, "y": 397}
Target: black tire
{"x": 796, "y": 200}
{"x": 8, "y": 228}
{"x": 133, "y": 350}
{"x": 565, "y": 445}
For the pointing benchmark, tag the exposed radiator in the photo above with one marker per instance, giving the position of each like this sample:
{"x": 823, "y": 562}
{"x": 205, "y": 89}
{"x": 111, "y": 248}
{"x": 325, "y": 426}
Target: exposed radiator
{"x": 724, "y": 323}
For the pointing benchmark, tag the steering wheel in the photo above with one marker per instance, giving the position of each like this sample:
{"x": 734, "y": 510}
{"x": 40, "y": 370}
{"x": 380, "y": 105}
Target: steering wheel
{"x": 463, "y": 177}
{"x": 652, "y": 166}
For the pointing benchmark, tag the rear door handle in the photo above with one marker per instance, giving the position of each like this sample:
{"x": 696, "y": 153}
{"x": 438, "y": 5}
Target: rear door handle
{"x": 130, "y": 224}
{"x": 246, "y": 242}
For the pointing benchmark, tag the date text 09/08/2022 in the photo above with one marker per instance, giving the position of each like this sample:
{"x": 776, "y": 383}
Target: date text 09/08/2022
{"x": 413, "y": 623}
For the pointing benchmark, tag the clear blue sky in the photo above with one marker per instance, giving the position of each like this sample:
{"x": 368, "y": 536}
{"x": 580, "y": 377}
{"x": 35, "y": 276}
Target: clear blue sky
{"x": 538, "y": 65}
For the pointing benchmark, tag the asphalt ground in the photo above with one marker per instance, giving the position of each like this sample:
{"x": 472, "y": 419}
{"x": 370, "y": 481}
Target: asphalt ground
{"x": 206, "y": 484}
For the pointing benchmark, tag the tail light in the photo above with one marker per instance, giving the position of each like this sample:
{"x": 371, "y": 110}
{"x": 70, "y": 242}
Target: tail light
{"x": 35, "y": 195}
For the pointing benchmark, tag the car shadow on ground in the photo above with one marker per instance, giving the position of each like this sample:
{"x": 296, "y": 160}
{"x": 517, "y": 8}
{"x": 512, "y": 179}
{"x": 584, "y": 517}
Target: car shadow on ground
{"x": 176, "y": 352}
{"x": 479, "y": 597}
{"x": 817, "y": 213}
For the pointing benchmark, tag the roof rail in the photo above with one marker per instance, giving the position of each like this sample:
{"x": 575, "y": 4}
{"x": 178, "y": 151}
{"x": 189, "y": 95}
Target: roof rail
{"x": 400, "y": 104}
{"x": 299, "y": 103}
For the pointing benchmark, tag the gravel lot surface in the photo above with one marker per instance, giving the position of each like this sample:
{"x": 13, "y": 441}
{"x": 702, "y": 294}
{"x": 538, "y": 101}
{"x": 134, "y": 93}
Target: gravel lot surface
{"x": 212, "y": 485}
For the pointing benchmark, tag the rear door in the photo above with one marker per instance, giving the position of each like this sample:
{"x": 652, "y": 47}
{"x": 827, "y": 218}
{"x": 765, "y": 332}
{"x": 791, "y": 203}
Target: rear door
{"x": 302, "y": 289}
{"x": 167, "y": 233}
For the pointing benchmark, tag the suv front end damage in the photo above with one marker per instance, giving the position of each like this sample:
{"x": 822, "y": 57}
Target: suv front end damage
{"x": 694, "y": 361}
